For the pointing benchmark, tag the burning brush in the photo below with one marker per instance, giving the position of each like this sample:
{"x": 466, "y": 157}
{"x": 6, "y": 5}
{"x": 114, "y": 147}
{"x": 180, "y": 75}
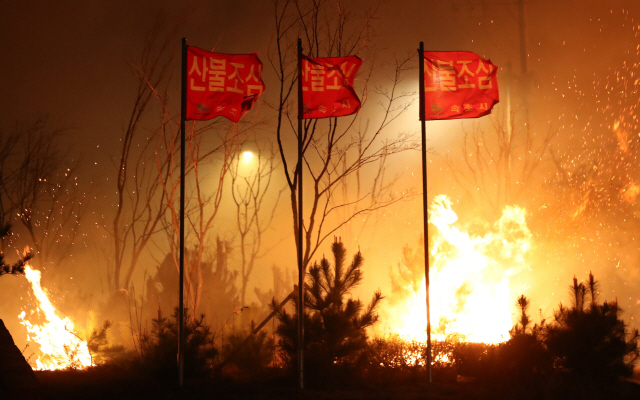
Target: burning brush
{"x": 60, "y": 347}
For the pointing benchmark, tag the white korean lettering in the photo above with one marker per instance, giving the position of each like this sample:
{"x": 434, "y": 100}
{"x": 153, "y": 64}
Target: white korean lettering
{"x": 217, "y": 74}
{"x": 465, "y": 73}
{"x": 484, "y": 82}
{"x": 432, "y": 74}
{"x": 335, "y": 80}
{"x": 202, "y": 74}
{"x": 236, "y": 79}
{"x": 442, "y": 76}
{"x": 253, "y": 88}
{"x": 317, "y": 78}
{"x": 447, "y": 75}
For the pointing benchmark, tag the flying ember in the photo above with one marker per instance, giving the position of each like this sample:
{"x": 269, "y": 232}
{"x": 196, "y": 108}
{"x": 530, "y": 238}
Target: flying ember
{"x": 472, "y": 293}
{"x": 60, "y": 348}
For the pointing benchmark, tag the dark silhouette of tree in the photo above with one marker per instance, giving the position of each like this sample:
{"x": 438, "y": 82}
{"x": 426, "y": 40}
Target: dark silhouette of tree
{"x": 520, "y": 328}
{"x": 581, "y": 354}
{"x": 336, "y": 151}
{"x": 6, "y": 208}
{"x": 219, "y": 294}
{"x": 159, "y": 347}
{"x": 335, "y": 325}
{"x": 248, "y": 352}
{"x": 517, "y": 368}
{"x": 141, "y": 203}
{"x": 100, "y": 348}
{"x": 220, "y": 297}
{"x": 501, "y": 163}
{"x": 18, "y": 266}
{"x": 39, "y": 192}
{"x": 591, "y": 341}
{"x": 15, "y": 268}
{"x": 250, "y": 193}
{"x": 407, "y": 278}
{"x": 523, "y": 360}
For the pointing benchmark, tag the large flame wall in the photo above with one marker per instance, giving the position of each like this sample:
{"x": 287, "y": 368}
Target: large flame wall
{"x": 472, "y": 292}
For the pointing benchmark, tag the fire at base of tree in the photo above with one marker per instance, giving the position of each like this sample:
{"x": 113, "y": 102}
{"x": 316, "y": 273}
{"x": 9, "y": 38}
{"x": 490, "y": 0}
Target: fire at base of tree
{"x": 586, "y": 351}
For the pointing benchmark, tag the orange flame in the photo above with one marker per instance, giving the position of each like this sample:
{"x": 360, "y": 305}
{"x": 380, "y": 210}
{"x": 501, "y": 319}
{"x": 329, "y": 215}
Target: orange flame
{"x": 582, "y": 206}
{"x": 470, "y": 279}
{"x": 60, "y": 347}
{"x": 622, "y": 136}
{"x": 630, "y": 192}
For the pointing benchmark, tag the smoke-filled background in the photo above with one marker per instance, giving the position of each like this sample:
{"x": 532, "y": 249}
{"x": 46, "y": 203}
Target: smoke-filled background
{"x": 562, "y": 144}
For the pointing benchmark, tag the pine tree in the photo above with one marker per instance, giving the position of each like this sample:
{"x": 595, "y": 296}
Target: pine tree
{"x": 158, "y": 348}
{"x": 335, "y": 324}
{"x": 592, "y": 342}
{"x": 523, "y": 358}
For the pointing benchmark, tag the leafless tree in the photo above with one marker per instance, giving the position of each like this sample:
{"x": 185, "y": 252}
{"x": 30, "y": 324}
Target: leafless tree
{"x": 18, "y": 266}
{"x": 499, "y": 162}
{"x": 212, "y": 145}
{"x": 141, "y": 204}
{"x": 336, "y": 150}
{"x": 250, "y": 183}
{"x": 40, "y": 189}
{"x": 8, "y": 141}
{"x": 206, "y": 205}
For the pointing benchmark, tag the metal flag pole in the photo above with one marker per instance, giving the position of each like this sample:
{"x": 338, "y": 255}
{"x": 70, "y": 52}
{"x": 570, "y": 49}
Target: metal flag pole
{"x": 425, "y": 203}
{"x": 300, "y": 230}
{"x": 183, "y": 113}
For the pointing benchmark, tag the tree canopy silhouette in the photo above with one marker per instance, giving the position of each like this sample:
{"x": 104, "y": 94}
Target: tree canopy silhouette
{"x": 18, "y": 266}
{"x": 335, "y": 324}
{"x": 592, "y": 341}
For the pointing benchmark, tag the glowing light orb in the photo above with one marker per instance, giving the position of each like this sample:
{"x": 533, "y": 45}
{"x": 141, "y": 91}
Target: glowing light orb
{"x": 247, "y": 156}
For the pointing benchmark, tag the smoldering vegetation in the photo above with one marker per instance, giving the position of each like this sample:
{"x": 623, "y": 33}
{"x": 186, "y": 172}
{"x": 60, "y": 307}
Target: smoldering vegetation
{"x": 586, "y": 351}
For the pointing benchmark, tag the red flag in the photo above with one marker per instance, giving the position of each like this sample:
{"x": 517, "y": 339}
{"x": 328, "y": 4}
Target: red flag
{"x": 458, "y": 84}
{"x": 221, "y": 84}
{"x": 327, "y": 86}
